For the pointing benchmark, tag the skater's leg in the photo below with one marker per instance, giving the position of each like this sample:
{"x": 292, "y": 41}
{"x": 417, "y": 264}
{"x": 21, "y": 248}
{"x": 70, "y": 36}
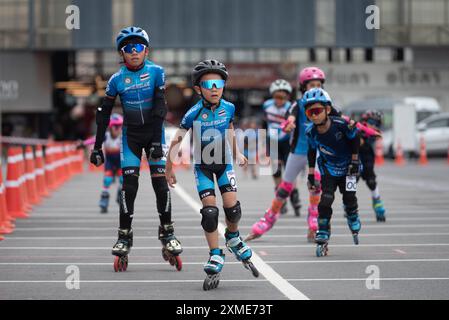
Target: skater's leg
{"x": 328, "y": 186}
{"x": 128, "y": 196}
{"x": 163, "y": 198}
{"x": 131, "y": 153}
{"x": 209, "y": 221}
{"x": 350, "y": 207}
{"x": 233, "y": 214}
{"x": 107, "y": 181}
{"x": 232, "y": 210}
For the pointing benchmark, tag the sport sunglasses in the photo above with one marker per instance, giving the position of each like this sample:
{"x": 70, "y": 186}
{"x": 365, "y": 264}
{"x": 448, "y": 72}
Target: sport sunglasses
{"x": 314, "y": 111}
{"x": 138, "y": 47}
{"x": 209, "y": 84}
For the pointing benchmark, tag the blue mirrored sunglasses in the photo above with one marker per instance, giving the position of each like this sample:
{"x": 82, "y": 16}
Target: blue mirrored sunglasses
{"x": 133, "y": 46}
{"x": 209, "y": 84}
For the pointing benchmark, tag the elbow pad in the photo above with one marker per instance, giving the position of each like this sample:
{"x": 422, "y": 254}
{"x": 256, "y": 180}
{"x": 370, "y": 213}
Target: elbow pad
{"x": 160, "y": 105}
{"x": 104, "y": 112}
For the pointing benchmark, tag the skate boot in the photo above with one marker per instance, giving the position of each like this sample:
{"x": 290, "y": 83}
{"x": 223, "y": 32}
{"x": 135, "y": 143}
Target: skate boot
{"x": 295, "y": 202}
{"x": 241, "y": 250}
{"x": 213, "y": 267}
{"x": 354, "y": 225}
{"x": 263, "y": 225}
{"x": 171, "y": 247}
{"x": 322, "y": 237}
{"x": 104, "y": 201}
{"x": 122, "y": 248}
{"x": 379, "y": 209}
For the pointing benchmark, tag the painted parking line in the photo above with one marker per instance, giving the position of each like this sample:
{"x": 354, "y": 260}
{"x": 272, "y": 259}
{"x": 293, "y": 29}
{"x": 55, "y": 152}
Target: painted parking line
{"x": 272, "y": 276}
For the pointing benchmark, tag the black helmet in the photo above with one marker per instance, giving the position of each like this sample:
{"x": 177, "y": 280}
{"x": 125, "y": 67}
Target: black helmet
{"x": 208, "y": 66}
{"x": 373, "y": 116}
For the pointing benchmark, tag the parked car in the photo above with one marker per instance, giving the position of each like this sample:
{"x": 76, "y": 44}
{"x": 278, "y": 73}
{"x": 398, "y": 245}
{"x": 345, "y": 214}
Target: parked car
{"x": 409, "y": 110}
{"x": 435, "y": 131}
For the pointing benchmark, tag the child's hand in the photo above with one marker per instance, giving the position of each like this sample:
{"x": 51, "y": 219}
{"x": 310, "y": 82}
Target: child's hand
{"x": 241, "y": 160}
{"x": 171, "y": 177}
{"x": 288, "y": 125}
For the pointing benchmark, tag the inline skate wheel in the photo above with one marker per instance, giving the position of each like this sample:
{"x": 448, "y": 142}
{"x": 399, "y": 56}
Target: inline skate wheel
{"x": 120, "y": 263}
{"x": 211, "y": 281}
{"x": 253, "y": 269}
{"x": 178, "y": 263}
{"x": 356, "y": 239}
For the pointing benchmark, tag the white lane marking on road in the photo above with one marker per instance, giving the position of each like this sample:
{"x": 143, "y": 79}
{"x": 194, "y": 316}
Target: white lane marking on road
{"x": 272, "y": 276}
{"x": 278, "y": 246}
{"x": 364, "y": 279}
{"x": 345, "y": 235}
{"x": 231, "y": 262}
{"x": 129, "y": 281}
{"x": 221, "y": 280}
{"x": 400, "y": 251}
{"x": 281, "y": 222}
{"x": 365, "y": 226}
{"x": 416, "y": 184}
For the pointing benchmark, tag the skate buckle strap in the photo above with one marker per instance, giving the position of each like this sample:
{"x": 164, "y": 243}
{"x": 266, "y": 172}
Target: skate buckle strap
{"x": 233, "y": 242}
{"x": 173, "y": 245}
{"x": 215, "y": 259}
{"x": 243, "y": 249}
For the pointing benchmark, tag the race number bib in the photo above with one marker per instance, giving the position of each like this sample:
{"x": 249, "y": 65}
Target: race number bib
{"x": 351, "y": 183}
{"x": 231, "y": 178}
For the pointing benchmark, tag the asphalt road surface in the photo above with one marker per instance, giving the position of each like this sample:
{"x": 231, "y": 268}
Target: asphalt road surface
{"x": 63, "y": 250}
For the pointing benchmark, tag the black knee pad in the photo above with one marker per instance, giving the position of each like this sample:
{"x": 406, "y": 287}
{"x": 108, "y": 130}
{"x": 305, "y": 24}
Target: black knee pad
{"x": 209, "y": 222}
{"x": 326, "y": 200}
{"x": 162, "y": 193}
{"x": 278, "y": 173}
{"x": 371, "y": 183}
{"x": 233, "y": 214}
{"x": 129, "y": 190}
{"x": 281, "y": 193}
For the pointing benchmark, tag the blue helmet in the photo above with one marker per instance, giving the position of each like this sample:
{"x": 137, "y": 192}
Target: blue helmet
{"x": 316, "y": 95}
{"x": 129, "y": 32}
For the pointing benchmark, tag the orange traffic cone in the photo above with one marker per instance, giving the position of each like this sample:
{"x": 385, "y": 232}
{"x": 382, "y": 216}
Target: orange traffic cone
{"x": 80, "y": 161}
{"x": 30, "y": 176}
{"x": 399, "y": 159}
{"x": 23, "y": 184}
{"x": 59, "y": 170}
{"x": 73, "y": 158}
{"x": 6, "y": 225}
{"x": 41, "y": 183}
{"x": 14, "y": 195}
{"x": 422, "y": 152}
{"x": 379, "y": 160}
{"x": 49, "y": 167}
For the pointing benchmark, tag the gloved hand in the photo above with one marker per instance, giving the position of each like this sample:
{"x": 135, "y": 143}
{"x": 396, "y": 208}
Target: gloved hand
{"x": 354, "y": 168}
{"x": 97, "y": 157}
{"x": 156, "y": 151}
{"x": 312, "y": 184}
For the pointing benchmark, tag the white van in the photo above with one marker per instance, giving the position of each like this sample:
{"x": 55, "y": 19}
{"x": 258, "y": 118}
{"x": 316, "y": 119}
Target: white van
{"x": 401, "y": 116}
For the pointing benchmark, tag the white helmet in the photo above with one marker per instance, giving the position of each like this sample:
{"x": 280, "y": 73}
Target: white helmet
{"x": 280, "y": 84}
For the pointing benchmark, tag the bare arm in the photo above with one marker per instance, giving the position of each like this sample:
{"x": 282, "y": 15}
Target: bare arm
{"x": 238, "y": 156}
{"x": 172, "y": 153}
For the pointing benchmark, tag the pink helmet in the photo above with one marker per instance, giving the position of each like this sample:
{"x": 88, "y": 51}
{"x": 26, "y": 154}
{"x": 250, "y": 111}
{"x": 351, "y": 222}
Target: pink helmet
{"x": 311, "y": 73}
{"x": 116, "y": 120}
